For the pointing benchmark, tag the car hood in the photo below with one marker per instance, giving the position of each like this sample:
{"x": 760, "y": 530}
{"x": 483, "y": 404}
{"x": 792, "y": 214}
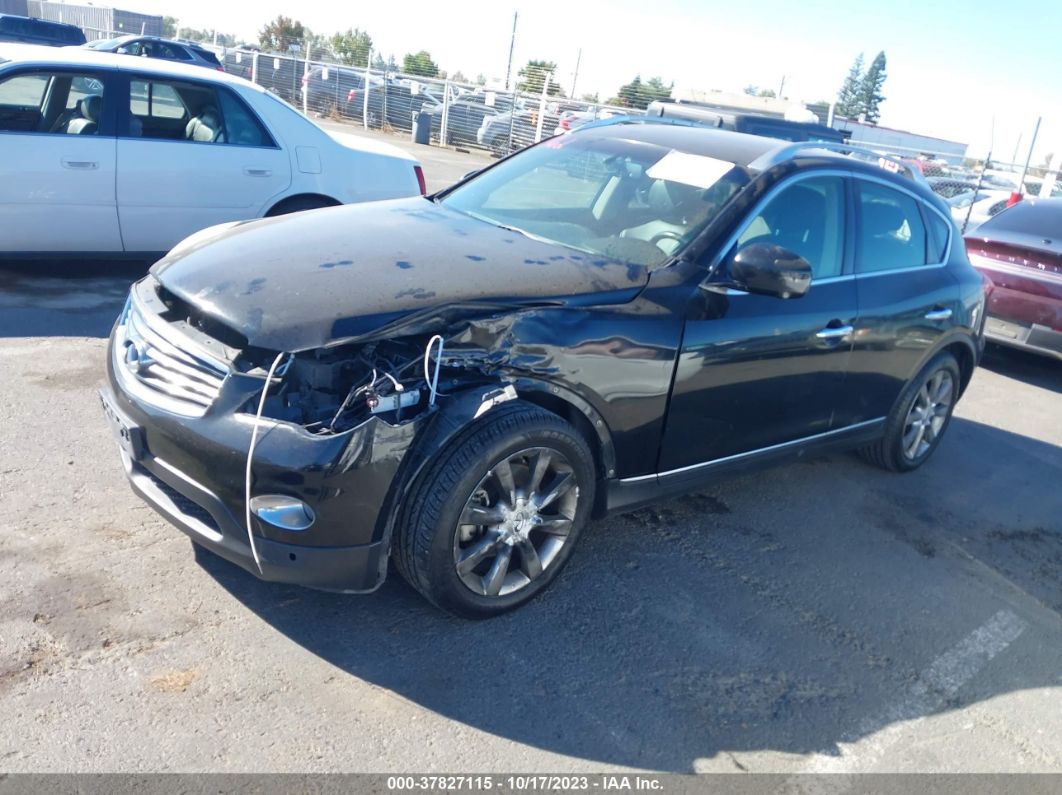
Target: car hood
{"x": 316, "y": 278}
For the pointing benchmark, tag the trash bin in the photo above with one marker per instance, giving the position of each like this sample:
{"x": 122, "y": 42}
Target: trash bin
{"x": 422, "y": 128}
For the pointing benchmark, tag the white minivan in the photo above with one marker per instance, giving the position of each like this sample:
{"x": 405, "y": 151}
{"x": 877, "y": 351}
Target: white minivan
{"x": 111, "y": 155}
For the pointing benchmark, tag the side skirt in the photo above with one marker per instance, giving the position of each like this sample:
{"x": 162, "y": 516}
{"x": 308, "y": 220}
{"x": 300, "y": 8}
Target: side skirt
{"x": 629, "y": 493}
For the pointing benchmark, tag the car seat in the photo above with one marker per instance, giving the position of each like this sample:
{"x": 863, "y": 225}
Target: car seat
{"x": 86, "y": 120}
{"x": 205, "y": 127}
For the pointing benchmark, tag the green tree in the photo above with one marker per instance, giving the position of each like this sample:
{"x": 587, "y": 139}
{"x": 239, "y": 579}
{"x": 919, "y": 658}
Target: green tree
{"x": 169, "y": 27}
{"x": 419, "y": 64}
{"x": 849, "y": 99}
{"x": 532, "y": 76}
{"x": 352, "y": 47}
{"x": 637, "y": 94}
{"x": 870, "y": 96}
{"x": 281, "y": 33}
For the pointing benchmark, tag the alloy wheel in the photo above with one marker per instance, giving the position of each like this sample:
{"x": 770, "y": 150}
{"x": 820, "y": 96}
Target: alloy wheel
{"x": 515, "y": 522}
{"x": 927, "y": 415}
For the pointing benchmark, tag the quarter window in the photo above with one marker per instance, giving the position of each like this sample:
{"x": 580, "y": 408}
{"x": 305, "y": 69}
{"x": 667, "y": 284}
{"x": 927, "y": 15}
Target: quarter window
{"x": 60, "y": 103}
{"x": 892, "y": 235}
{"x": 806, "y": 218}
{"x": 938, "y": 235}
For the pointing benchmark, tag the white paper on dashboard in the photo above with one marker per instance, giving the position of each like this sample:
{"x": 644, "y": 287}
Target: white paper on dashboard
{"x": 700, "y": 171}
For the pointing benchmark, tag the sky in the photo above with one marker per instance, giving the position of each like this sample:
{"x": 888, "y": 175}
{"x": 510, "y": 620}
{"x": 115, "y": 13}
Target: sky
{"x": 975, "y": 71}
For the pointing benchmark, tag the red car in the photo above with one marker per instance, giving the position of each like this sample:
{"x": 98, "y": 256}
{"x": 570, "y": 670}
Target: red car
{"x": 1019, "y": 253}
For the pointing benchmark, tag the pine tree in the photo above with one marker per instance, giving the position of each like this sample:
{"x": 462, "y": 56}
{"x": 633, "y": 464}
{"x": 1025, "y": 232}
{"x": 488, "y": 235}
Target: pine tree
{"x": 870, "y": 96}
{"x": 849, "y": 101}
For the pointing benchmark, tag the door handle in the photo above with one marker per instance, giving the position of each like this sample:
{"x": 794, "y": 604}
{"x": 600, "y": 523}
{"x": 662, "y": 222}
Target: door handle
{"x": 257, "y": 172}
{"x": 80, "y": 165}
{"x": 831, "y": 333}
{"x": 938, "y": 313}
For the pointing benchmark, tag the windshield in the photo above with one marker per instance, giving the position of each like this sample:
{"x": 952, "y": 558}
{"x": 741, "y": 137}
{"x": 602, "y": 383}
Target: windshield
{"x": 627, "y": 200}
{"x": 104, "y": 44}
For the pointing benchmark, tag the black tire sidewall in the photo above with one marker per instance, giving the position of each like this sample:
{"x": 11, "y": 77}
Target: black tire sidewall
{"x": 445, "y": 586}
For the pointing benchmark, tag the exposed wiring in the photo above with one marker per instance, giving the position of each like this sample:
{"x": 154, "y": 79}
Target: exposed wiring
{"x": 250, "y": 456}
{"x": 433, "y": 380}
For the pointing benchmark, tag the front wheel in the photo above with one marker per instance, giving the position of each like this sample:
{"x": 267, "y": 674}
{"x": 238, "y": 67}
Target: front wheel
{"x": 491, "y": 523}
{"x": 918, "y": 420}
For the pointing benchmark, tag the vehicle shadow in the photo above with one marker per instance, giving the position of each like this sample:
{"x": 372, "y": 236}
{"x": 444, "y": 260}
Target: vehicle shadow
{"x": 1031, "y": 368}
{"x": 780, "y": 611}
{"x": 64, "y": 299}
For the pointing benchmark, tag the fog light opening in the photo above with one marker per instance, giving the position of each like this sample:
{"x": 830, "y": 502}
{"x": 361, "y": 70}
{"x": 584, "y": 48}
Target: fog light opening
{"x": 284, "y": 513}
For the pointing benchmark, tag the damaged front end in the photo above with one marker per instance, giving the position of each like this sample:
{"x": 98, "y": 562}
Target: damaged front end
{"x": 335, "y": 426}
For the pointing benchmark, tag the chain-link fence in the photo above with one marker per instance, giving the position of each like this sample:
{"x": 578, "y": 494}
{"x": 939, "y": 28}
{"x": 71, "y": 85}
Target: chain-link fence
{"x": 435, "y": 111}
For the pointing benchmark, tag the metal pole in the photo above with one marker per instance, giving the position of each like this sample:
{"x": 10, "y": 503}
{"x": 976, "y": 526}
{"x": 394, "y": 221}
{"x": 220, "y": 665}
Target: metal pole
{"x": 365, "y": 99}
{"x": 1050, "y": 177}
{"x": 781, "y": 88}
{"x": 578, "y": 59}
{"x": 306, "y": 80}
{"x": 444, "y": 123}
{"x": 1036, "y": 131}
{"x": 254, "y": 67}
{"x": 512, "y": 44}
{"x": 542, "y": 104}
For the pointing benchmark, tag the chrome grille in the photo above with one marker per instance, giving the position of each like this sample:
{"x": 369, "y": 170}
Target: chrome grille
{"x": 157, "y": 365}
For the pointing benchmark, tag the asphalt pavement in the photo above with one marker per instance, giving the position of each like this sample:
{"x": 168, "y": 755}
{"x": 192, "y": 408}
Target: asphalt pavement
{"x": 821, "y": 616}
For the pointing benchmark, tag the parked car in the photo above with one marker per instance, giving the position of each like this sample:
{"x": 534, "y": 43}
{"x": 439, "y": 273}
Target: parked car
{"x": 459, "y": 382}
{"x": 573, "y": 120}
{"x": 752, "y": 123}
{"x": 503, "y": 133}
{"x": 27, "y": 30}
{"x": 465, "y": 116}
{"x": 1019, "y": 252}
{"x": 155, "y": 47}
{"x": 986, "y": 203}
{"x": 948, "y": 187}
{"x": 184, "y": 149}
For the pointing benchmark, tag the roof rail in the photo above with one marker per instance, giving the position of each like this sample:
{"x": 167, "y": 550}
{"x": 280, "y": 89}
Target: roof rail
{"x": 625, "y": 119}
{"x": 789, "y": 151}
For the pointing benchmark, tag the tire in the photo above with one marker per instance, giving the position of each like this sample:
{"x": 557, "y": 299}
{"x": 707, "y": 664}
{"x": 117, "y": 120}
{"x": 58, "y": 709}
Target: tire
{"x": 480, "y": 571}
{"x": 297, "y": 204}
{"x": 499, "y": 146}
{"x": 903, "y": 448}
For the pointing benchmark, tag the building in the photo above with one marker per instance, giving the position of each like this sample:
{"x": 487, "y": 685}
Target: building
{"x": 901, "y": 142}
{"x": 97, "y": 21}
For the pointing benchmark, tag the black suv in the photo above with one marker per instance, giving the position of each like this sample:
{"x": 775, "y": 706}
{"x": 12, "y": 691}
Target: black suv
{"x": 460, "y": 382}
{"x": 28, "y": 30}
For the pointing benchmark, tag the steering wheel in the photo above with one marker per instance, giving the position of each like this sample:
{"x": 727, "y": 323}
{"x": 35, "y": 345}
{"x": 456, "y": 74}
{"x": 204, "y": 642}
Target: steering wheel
{"x": 667, "y": 235}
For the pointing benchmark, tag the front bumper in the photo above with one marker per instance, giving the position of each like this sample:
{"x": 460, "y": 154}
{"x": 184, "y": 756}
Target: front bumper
{"x": 191, "y": 470}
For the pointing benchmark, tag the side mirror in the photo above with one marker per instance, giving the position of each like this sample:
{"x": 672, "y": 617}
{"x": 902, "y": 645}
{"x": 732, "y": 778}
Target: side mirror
{"x": 767, "y": 269}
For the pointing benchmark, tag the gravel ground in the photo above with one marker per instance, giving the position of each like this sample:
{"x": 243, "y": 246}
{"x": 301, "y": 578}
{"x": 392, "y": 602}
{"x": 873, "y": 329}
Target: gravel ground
{"x": 822, "y": 616}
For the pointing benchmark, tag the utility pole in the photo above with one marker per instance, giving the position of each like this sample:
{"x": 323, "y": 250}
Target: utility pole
{"x": 578, "y": 59}
{"x": 1032, "y": 144}
{"x": 512, "y": 44}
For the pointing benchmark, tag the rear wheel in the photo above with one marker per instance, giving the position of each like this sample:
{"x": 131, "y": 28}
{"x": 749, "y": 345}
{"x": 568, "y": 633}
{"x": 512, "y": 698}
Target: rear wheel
{"x": 493, "y": 521}
{"x": 918, "y": 420}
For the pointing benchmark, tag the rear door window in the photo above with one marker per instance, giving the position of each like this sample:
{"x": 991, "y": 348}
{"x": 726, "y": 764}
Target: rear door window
{"x": 194, "y": 112}
{"x": 892, "y": 235}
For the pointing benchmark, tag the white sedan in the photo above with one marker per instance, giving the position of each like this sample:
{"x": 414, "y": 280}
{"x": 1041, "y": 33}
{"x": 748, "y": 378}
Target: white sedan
{"x": 986, "y": 203}
{"x": 107, "y": 154}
